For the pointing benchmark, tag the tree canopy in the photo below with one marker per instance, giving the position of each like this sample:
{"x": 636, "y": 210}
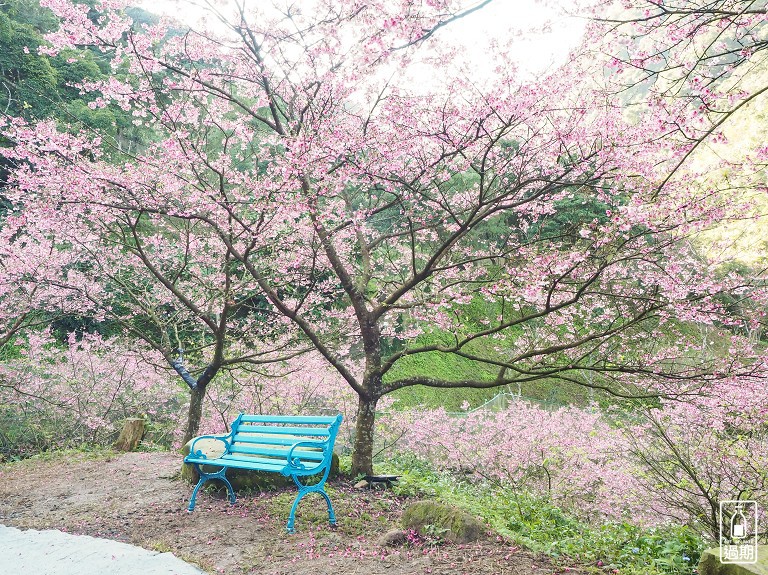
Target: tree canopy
{"x": 296, "y": 184}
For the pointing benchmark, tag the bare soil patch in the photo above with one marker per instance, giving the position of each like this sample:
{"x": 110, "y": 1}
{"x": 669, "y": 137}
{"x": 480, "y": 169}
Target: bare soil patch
{"x": 139, "y": 498}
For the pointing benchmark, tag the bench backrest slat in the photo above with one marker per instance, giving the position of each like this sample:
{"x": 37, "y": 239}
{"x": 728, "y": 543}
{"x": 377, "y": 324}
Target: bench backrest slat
{"x": 293, "y": 419}
{"x": 274, "y": 430}
{"x": 274, "y": 440}
{"x": 277, "y": 453}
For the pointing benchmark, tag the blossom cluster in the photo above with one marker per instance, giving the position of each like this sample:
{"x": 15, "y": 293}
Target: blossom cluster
{"x": 671, "y": 462}
{"x": 81, "y": 394}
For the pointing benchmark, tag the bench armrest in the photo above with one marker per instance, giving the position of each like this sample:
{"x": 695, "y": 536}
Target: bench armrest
{"x": 298, "y": 465}
{"x": 200, "y": 455}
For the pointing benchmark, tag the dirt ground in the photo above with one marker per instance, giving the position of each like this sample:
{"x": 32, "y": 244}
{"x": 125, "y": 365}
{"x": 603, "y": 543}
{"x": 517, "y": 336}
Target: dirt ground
{"x": 139, "y": 498}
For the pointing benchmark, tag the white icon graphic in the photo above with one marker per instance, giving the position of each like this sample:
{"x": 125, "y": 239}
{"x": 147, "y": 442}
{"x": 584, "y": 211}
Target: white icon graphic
{"x": 738, "y": 523}
{"x": 738, "y": 531}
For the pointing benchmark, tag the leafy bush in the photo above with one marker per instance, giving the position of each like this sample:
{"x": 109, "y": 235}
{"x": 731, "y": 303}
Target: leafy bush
{"x": 574, "y": 457}
{"x": 20, "y": 437}
{"x": 56, "y": 398}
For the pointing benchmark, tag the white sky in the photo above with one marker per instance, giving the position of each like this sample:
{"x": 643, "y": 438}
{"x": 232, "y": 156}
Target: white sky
{"x": 534, "y": 52}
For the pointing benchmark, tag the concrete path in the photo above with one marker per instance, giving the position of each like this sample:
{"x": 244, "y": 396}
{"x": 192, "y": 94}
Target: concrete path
{"x": 51, "y": 552}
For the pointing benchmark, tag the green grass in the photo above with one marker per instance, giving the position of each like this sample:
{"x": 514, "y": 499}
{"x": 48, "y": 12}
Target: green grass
{"x": 534, "y": 522}
{"x": 546, "y": 392}
{"x": 85, "y": 452}
{"x": 451, "y": 367}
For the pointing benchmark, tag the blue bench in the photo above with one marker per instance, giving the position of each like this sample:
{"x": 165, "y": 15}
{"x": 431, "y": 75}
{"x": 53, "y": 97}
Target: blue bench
{"x": 294, "y": 446}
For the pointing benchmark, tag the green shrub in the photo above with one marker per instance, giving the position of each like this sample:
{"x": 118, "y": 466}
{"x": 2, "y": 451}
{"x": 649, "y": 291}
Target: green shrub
{"x": 20, "y": 436}
{"x": 541, "y": 526}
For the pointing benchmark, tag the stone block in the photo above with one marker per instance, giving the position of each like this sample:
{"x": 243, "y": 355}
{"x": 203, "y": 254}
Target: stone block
{"x": 710, "y": 564}
{"x": 430, "y": 518}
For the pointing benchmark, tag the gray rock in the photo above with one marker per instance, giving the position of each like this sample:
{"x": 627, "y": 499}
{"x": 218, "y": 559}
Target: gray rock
{"x": 361, "y": 484}
{"x": 433, "y": 519}
{"x": 393, "y": 538}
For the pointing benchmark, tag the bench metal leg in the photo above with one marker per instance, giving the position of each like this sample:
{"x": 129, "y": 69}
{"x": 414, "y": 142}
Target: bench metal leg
{"x": 306, "y": 490}
{"x": 230, "y": 491}
{"x": 193, "y": 499}
{"x": 292, "y": 515}
{"x": 221, "y": 475}
{"x": 331, "y": 514}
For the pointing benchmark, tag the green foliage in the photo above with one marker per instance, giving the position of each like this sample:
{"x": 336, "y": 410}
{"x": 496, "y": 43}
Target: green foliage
{"x": 447, "y": 366}
{"x": 438, "y": 364}
{"x": 454, "y": 367}
{"x": 570, "y": 216}
{"x": 536, "y": 523}
{"x": 20, "y": 437}
{"x": 26, "y": 77}
{"x": 63, "y": 325}
{"x": 431, "y": 398}
{"x": 541, "y": 526}
{"x": 141, "y": 17}
{"x": 23, "y": 436}
{"x": 73, "y": 67}
{"x": 450, "y": 367}
{"x": 36, "y": 86}
{"x": 13, "y": 349}
{"x": 86, "y": 452}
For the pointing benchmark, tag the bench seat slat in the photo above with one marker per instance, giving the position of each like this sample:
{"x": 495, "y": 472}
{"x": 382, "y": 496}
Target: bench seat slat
{"x": 313, "y": 431}
{"x": 258, "y": 462}
{"x": 272, "y": 440}
{"x": 254, "y": 465}
{"x": 301, "y": 453}
{"x": 297, "y": 419}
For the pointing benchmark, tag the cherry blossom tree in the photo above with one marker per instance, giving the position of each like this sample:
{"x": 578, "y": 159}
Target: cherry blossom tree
{"x": 692, "y": 455}
{"x": 161, "y": 279}
{"x": 672, "y": 461}
{"x": 574, "y": 457}
{"x": 33, "y": 272}
{"x": 303, "y": 384}
{"x": 702, "y": 63}
{"x": 688, "y": 49}
{"x": 375, "y": 214}
{"x": 82, "y": 395}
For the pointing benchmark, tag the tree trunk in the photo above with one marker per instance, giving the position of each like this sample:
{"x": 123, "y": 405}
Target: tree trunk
{"x": 130, "y": 436}
{"x": 362, "y": 456}
{"x": 195, "y": 413}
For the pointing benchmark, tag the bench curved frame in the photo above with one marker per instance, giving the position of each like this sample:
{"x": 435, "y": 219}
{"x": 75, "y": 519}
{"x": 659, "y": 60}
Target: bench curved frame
{"x": 291, "y": 465}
